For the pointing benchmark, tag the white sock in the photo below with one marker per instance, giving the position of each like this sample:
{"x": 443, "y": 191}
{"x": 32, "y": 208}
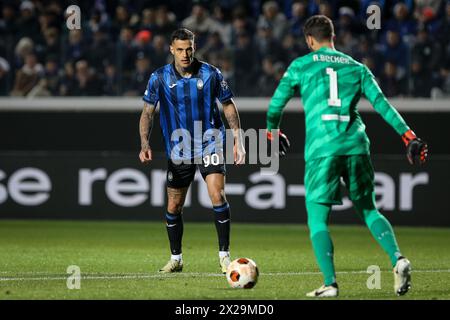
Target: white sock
{"x": 178, "y": 257}
{"x": 224, "y": 254}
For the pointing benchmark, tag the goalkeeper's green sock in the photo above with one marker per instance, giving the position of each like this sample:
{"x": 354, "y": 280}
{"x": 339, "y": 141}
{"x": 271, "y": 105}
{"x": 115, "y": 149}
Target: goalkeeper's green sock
{"x": 379, "y": 226}
{"x": 321, "y": 241}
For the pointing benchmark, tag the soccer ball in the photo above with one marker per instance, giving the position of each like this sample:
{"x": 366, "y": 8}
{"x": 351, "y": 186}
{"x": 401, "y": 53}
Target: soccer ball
{"x": 242, "y": 273}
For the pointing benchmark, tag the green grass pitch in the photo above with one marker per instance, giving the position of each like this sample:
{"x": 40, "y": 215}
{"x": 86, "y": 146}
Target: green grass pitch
{"x": 119, "y": 260}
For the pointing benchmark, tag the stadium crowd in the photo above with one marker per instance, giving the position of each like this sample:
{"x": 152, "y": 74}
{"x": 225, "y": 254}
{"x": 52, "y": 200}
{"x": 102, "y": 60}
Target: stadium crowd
{"x": 122, "y": 41}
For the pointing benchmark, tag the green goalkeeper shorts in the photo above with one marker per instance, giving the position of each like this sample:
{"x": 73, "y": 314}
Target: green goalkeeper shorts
{"x": 323, "y": 178}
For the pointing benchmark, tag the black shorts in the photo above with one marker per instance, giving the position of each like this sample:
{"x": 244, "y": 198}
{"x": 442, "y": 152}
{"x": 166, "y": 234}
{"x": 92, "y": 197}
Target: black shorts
{"x": 181, "y": 175}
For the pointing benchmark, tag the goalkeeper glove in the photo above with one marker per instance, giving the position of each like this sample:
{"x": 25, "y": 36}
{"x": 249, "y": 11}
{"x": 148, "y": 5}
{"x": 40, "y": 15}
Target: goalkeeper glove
{"x": 415, "y": 147}
{"x": 283, "y": 142}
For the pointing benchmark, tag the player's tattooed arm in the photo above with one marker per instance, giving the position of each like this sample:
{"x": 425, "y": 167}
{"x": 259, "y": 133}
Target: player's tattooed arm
{"x": 231, "y": 113}
{"x": 145, "y": 128}
{"x": 232, "y": 116}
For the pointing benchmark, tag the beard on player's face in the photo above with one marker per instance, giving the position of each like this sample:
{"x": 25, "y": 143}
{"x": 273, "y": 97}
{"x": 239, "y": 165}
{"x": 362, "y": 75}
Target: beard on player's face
{"x": 185, "y": 61}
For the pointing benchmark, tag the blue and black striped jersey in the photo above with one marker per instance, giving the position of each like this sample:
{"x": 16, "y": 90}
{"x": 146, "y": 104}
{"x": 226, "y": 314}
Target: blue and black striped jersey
{"x": 188, "y": 106}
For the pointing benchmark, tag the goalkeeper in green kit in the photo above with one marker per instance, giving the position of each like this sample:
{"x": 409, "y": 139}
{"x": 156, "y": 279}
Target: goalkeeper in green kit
{"x": 330, "y": 84}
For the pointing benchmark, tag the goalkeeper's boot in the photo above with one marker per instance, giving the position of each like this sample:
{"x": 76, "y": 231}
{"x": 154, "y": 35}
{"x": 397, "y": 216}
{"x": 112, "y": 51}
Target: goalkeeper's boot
{"x": 224, "y": 262}
{"x": 325, "y": 291}
{"x": 172, "y": 266}
{"x": 402, "y": 276}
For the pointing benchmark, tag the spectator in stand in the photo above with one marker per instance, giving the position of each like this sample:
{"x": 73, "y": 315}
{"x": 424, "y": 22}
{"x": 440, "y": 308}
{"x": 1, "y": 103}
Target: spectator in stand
{"x": 279, "y": 70}
{"x": 266, "y": 85}
{"x": 348, "y": 23}
{"x": 441, "y": 87}
{"x": 86, "y": 82}
{"x": 126, "y": 50}
{"x": 200, "y": 23}
{"x": 48, "y": 19}
{"x": 8, "y": 22}
{"x": 111, "y": 85}
{"x": 142, "y": 43}
{"x": 28, "y": 24}
{"x": 266, "y": 44}
{"x": 148, "y": 20}
{"x": 421, "y": 81}
{"x": 365, "y": 50}
{"x": 67, "y": 79}
{"x": 443, "y": 33}
{"x": 241, "y": 24}
{"x": 121, "y": 19}
{"x": 390, "y": 82}
{"x": 165, "y": 22}
{"x": 76, "y": 49}
{"x": 51, "y": 45}
{"x": 213, "y": 58}
{"x": 273, "y": 19}
{"x": 271, "y": 74}
{"x": 101, "y": 49}
{"x": 56, "y": 7}
{"x": 225, "y": 28}
{"x": 428, "y": 13}
{"x": 326, "y": 9}
{"x": 228, "y": 72}
{"x": 213, "y": 45}
{"x": 427, "y": 52}
{"x": 245, "y": 55}
{"x": 402, "y": 22}
{"x": 347, "y": 43}
{"x": 139, "y": 79}
{"x": 291, "y": 49}
{"x": 48, "y": 85}
{"x": 98, "y": 21}
{"x": 158, "y": 55}
{"x": 371, "y": 64}
{"x": 28, "y": 76}
{"x": 51, "y": 76}
{"x": 299, "y": 16}
{"x": 425, "y": 10}
{"x": 23, "y": 47}
{"x": 394, "y": 50}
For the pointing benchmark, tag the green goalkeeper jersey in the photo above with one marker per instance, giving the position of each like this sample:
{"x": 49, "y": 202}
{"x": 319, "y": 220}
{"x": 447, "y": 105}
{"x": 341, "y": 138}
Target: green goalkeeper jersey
{"x": 331, "y": 84}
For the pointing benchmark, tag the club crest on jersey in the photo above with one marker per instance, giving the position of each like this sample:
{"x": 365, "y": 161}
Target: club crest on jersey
{"x": 224, "y": 85}
{"x": 169, "y": 176}
{"x": 199, "y": 84}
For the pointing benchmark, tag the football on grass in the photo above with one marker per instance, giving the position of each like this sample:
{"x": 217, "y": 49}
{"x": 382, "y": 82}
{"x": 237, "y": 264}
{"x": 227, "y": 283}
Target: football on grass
{"x": 242, "y": 273}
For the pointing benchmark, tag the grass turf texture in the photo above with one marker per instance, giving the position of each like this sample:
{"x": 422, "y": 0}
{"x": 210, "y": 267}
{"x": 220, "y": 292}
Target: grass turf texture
{"x": 119, "y": 260}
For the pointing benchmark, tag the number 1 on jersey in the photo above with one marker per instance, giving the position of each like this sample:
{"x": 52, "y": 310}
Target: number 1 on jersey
{"x": 333, "y": 100}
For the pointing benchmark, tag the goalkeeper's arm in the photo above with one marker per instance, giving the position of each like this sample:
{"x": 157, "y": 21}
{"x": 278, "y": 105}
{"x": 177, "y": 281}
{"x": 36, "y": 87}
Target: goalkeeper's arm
{"x": 415, "y": 147}
{"x": 284, "y": 92}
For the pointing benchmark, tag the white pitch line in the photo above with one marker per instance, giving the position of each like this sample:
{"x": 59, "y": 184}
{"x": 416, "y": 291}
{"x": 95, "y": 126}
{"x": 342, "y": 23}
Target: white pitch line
{"x": 135, "y": 276}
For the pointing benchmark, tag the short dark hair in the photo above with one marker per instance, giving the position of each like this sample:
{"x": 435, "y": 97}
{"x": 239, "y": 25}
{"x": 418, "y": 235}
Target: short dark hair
{"x": 182, "y": 34}
{"x": 320, "y": 27}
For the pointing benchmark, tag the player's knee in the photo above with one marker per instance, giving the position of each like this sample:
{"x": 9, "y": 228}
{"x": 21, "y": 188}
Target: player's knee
{"x": 316, "y": 226}
{"x": 370, "y": 216}
{"x": 217, "y": 197}
{"x": 175, "y": 207}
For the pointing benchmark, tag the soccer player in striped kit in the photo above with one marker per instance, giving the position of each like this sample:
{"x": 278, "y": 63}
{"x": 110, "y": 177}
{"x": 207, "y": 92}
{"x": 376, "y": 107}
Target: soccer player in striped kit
{"x": 194, "y": 136}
